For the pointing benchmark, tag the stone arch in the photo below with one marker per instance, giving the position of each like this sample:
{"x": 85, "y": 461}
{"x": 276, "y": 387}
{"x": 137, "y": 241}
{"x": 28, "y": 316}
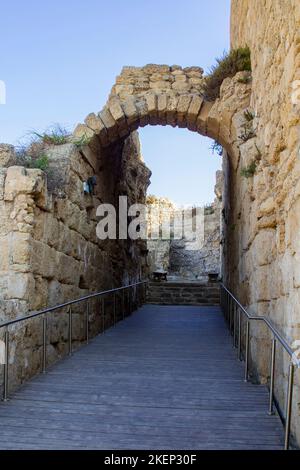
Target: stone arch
{"x": 166, "y": 95}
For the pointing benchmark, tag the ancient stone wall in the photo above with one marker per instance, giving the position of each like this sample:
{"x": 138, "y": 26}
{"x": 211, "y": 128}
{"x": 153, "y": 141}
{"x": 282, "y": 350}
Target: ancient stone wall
{"x": 49, "y": 249}
{"x": 263, "y": 247}
{"x": 181, "y": 258}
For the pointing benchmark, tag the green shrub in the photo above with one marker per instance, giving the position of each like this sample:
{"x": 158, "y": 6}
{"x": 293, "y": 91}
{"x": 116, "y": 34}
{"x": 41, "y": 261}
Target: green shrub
{"x": 82, "y": 141}
{"x": 42, "y": 162}
{"x": 249, "y": 115}
{"x": 209, "y": 209}
{"x": 237, "y": 60}
{"x": 216, "y": 147}
{"x": 58, "y": 135}
{"x": 249, "y": 171}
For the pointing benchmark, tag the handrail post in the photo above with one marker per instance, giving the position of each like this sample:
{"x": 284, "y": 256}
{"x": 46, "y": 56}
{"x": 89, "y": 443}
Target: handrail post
{"x": 247, "y": 350}
{"x": 234, "y": 324}
{"x": 70, "y": 331}
{"x": 44, "y": 343}
{"x": 6, "y": 366}
{"x": 272, "y": 372}
{"x": 240, "y": 334}
{"x": 87, "y": 315}
{"x": 103, "y": 315}
{"x": 114, "y": 309}
{"x": 289, "y": 407}
{"x": 230, "y": 316}
{"x": 123, "y": 304}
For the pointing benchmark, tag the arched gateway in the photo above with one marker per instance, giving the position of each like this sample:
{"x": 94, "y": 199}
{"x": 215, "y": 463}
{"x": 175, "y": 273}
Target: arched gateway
{"x": 166, "y": 95}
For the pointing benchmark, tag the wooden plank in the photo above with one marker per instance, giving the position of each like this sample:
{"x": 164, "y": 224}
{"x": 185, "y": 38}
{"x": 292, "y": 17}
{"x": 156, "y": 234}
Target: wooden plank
{"x": 166, "y": 377}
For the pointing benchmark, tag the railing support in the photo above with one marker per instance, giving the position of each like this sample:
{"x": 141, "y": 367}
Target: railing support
{"x": 272, "y": 375}
{"x": 87, "y": 318}
{"x": 289, "y": 407}
{"x": 6, "y": 366}
{"x": 247, "y": 345}
{"x": 103, "y": 315}
{"x": 239, "y": 335}
{"x": 123, "y": 304}
{"x": 70, "y": 330}
{"x": 115, "y": 309}
{"x": 44, "y": 344}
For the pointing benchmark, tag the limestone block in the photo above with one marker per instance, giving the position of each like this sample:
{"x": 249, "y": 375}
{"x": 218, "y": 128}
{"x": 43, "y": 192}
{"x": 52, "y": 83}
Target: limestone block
{"x": 43, "y": 260}
{"x": 249, "y": 152}
{"x": 39, "y": 300}
{"x": 142, "y": 108}
{"x": 20, "y": 286}
{"x": 202, "y": 117}
{"x": 90, "y": 155}
{"x": 69, "y": 271}
{"x": 7, "y": 155}
{"x": 181, "y": 87}
{"x": 3, "y": 172}
{"x": 151, "y": 100}
{"x": 162, "y": 108}
{"x": 4, "y": 253}
{"x": 20, "y": 248}
{"x": 266, "y": 207}
{"x": 110, "y": 123}
{"x": 172, "y": 109}
{"x": 182, "y": 109}
{"x": 194, "y": 110}
{"x": 130, "y": 111}
{"x": 24, "y": 181}
{"x": 181, "y": 78}
{"x": 264, "y": 247}
{"x": 116, "y": 111}
{"x": 194, "y": 69}
{"x": 95, "y": 123}
{"x": 124, "y": 90}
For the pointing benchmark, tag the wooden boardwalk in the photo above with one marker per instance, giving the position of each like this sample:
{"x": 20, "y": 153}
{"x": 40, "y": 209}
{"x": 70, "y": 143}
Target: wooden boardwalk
{"x": 165, "y": 378}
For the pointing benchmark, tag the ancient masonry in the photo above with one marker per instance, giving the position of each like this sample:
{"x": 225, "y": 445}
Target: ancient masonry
{"x": 256, "y": 119}
{"x": 180, "y": 257}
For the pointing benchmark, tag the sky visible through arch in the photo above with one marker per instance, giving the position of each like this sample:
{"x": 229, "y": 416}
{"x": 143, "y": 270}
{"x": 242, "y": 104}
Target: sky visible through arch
{"x": 59, "y": 60}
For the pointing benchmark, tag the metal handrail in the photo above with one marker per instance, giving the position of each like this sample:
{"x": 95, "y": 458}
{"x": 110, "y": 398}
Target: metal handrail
{"x": 71, "y": 302}
{"x": 43, "y": 313}
{"x": 231, "y": 307}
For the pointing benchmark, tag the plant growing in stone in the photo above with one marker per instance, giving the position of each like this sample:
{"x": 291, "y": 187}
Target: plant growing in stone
{"x": 57, "y": 135}
{"x": 249, "y": 115}
{"x": 42, "y": 162}
{"x": 216, "y": 148}
{"x": 248, "y": 131}
{"x": 244, "y": 80}
{"x": 249, "y": 171}
{"x": 82, "y": 141}
{"x": 209, "y": 209}
{"x": 237, "y": 60}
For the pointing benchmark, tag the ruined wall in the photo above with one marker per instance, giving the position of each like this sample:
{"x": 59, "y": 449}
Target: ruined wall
{"x": 180, "y": 257}
{"x": 263, "y": 249}
{"x": 49, "y": 249}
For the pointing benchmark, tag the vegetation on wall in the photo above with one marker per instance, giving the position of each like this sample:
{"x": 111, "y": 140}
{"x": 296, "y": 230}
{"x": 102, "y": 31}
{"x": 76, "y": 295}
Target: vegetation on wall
{"x": 249, "y": 171}
{"x": 237, "y": 60}
{"x": 57, "y": 135}
{"x": 216, "y": 148}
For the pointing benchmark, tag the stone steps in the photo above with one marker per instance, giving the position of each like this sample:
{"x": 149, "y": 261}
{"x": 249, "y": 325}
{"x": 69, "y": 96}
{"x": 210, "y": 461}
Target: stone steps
{"x": 183, "y": 293}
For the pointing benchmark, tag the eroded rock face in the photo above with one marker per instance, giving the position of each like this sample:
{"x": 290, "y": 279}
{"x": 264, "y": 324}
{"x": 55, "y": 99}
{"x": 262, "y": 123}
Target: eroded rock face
{"x": 264, "y": 248}
{"x": 181, "y": 258}
{"x": 49, "y": 249}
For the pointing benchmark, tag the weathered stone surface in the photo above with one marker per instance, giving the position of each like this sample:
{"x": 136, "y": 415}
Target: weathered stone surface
{"x": 179, "y": 257}
{"x": 7, "y": 155}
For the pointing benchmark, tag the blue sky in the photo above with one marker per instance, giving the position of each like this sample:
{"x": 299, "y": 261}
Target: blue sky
{"x": 59, "y": 60}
